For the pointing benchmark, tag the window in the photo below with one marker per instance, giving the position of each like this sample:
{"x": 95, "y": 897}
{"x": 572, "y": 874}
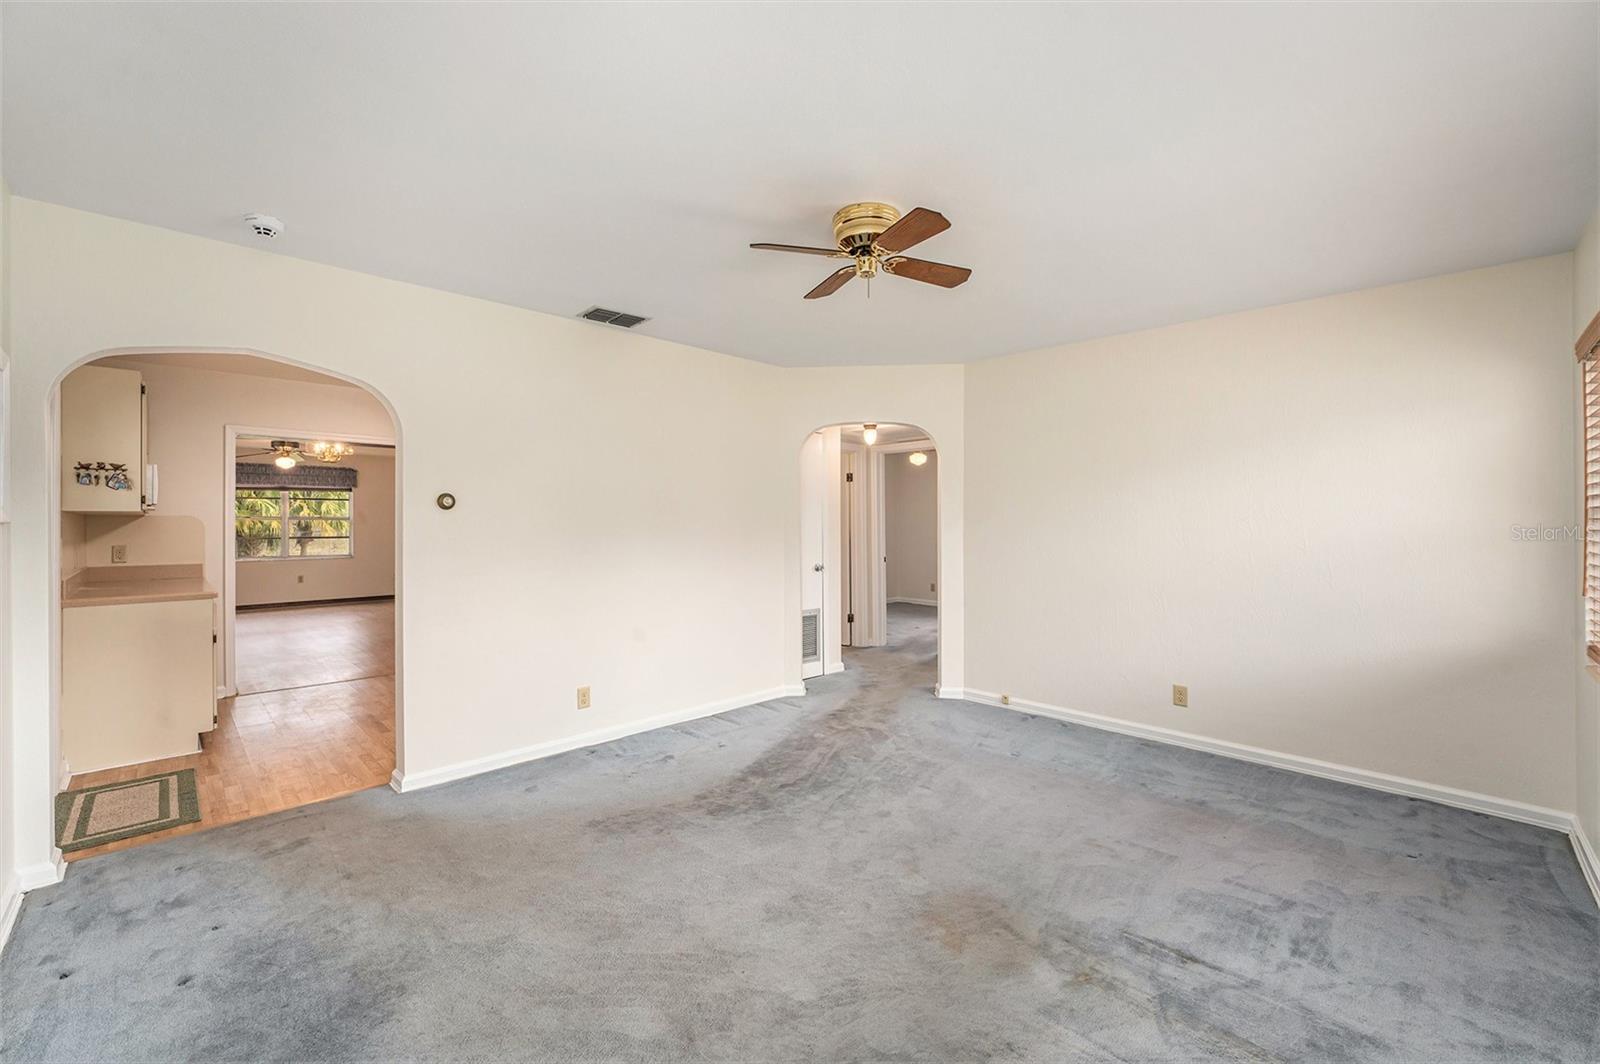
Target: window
{"x": 292, "y": 523}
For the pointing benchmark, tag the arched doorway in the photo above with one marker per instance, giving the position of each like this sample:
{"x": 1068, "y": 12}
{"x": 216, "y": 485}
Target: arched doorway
{"x": 140, "y": 571}
{"x": 869, "y": 544}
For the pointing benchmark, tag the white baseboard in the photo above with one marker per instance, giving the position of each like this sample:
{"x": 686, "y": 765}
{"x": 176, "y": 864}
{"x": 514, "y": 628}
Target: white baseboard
{"x": 66, "y": 776}
{"x": 1378, "y": 781}
{"x": 43, "y": 874}
{"x": 837, "y": 666}
{"x": 223, "y": 691}
{"x": 951, "y": 692}
{"x": 407, "y": 782}
{"x": 1588, "y": 860}
{"x": 914, "y": 602}
{"x": 32, "y": 877}
{"x": 10, "y": 906}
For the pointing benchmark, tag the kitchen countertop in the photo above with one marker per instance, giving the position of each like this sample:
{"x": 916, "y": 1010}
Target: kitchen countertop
{"x": 121, "y": 585}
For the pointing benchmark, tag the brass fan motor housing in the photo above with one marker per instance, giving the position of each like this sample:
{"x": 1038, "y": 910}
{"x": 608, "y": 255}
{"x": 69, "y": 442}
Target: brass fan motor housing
{"x": 857, "y": 225}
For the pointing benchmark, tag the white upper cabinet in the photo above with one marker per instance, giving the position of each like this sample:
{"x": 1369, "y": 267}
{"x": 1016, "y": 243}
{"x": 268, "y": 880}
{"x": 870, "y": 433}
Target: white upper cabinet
{"x": 102, "y": 441}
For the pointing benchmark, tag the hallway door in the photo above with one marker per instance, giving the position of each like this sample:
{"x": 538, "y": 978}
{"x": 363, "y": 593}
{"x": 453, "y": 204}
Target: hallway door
{"x": 813, "y": 514}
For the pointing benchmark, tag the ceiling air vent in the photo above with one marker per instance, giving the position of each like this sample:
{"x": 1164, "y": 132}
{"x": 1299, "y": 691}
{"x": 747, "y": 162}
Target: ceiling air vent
{"x": 612, "y": 317}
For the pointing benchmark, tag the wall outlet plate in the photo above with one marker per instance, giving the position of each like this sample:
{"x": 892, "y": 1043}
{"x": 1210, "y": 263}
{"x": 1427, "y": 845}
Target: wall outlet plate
{"x": 1180, "y": 695}
{"x": 583, "y": 698}
{"x": 119, "y": 554}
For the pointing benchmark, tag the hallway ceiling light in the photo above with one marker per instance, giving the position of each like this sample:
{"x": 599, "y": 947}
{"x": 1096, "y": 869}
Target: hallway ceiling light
{"x": 918, "y": 458}
{"x": 869, "y": 434}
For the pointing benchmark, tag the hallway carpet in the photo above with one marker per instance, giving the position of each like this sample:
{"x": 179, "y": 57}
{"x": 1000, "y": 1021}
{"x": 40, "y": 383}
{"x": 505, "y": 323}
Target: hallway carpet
{"x": 867, "y": 873}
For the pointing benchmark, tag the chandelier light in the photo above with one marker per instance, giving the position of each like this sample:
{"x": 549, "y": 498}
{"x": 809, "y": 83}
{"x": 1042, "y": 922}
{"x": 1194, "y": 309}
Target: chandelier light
{"x": 918, "y": 458}
{"x": 331, "y": 451}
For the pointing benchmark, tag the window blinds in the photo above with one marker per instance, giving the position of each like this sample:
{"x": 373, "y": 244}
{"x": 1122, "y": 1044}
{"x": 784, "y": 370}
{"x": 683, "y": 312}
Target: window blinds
{"x": 1587, "y": 348}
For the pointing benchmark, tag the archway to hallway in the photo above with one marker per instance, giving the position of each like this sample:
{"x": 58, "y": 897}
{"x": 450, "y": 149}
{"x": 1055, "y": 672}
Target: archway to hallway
{"x": 869, "y": 545}
{"x": 233, "y": 529}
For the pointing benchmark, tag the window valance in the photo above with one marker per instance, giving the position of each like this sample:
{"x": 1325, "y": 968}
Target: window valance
{"x": 303, "y": 476}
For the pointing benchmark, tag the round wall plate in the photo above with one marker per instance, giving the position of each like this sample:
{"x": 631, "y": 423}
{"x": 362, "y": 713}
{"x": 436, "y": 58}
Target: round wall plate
{"x": 446, "y": 501}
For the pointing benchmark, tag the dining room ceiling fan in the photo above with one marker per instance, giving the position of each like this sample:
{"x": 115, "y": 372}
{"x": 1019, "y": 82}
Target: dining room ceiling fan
{"x": 872, "y": 236}
{"x": 290, "y": 453}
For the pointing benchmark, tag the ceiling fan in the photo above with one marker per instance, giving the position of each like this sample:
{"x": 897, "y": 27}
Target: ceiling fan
{"x": 291, "y": 452}
{"x": 873, "y": 235}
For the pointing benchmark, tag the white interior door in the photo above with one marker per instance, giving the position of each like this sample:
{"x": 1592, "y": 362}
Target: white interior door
{"x": 850, "y": 599}
{"x": 813, "y": 515}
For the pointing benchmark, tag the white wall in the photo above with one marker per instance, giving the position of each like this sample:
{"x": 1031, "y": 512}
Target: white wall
{"x": 368, "y": 572}
{"x": 1304, "y": 513}
{"x": 616, "y": 545}
{"x": 911, "y": 512}
{"x": 11, "y": 883}
{"x": 929, "y": 397}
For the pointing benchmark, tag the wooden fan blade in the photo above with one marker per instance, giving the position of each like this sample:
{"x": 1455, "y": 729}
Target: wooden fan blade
{"x": 913, "y": 228}
{"x": 928, "y": 272}
{"x": 836, "y": 280}
{"x": 830, "y": 252}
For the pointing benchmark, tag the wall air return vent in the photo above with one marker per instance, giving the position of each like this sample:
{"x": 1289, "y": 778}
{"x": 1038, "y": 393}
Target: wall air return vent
{"x": 619, "y": 318}
{"x": 810, "y": 636}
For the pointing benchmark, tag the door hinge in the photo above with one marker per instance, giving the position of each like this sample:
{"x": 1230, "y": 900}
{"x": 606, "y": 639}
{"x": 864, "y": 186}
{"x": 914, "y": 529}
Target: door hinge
{"x": 849, "y": 478}
{"x": 849, "y": 618}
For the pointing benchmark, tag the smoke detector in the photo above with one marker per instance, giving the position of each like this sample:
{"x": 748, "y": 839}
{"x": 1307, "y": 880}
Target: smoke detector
{"x": 263, "y": 225}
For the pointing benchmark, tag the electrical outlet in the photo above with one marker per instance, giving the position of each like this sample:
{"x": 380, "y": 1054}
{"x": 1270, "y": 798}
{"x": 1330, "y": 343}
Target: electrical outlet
{"x": 119, "y": 554}
{"x": 933, "y": 587}
{"x": 1180, "y": 695}
{"x": 583, "y": 697}
{"x": 1005, "y": 700}
{"x": 300, "y": 578}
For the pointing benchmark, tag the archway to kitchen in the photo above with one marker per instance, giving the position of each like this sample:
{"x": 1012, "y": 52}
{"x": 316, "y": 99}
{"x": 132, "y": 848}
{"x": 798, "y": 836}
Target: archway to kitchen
{"x": 229, "y": 629}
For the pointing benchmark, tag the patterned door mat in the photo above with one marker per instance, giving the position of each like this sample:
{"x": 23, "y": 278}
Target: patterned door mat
{"x": 92, "y": 816}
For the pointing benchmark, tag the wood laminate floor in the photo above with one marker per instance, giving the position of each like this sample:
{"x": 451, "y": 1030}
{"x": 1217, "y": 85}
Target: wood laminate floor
{"x": 314, "y": 718}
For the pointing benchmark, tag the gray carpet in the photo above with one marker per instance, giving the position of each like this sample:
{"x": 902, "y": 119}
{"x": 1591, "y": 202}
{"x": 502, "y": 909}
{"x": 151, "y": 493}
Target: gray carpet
{"x": 867, "y": 873}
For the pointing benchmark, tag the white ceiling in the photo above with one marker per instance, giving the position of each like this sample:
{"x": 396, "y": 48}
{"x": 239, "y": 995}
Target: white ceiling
{"x": 1106, "y": 168}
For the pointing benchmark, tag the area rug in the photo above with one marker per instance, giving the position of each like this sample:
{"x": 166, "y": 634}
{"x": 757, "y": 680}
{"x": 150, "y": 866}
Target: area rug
{"x": 93, "y": 816}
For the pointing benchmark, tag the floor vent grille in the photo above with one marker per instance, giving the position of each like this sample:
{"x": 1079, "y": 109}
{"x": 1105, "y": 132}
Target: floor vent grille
{"x": 621, "y": 319}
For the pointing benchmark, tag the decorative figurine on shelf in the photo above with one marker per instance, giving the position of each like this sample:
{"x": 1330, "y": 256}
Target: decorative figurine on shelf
{"x": 117, "y": 477}
{"x": 85, "y": 474}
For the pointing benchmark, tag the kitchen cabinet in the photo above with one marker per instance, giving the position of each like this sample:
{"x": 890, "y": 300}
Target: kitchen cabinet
{"x": 137, "y": 676}
{"x": 104, "y": 447}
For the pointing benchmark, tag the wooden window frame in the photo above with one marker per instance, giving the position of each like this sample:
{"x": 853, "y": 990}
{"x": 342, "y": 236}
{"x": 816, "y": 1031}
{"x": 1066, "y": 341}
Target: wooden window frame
{"x": 1587, "y": 350}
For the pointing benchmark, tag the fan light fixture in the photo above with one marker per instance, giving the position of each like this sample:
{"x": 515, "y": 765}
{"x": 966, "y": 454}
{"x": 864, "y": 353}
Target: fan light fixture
{"x": 289, "y": 453}
{"x": 869, "y": 434}
{"x": 873, "y": 236}
{"x": 918, "y": 458}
